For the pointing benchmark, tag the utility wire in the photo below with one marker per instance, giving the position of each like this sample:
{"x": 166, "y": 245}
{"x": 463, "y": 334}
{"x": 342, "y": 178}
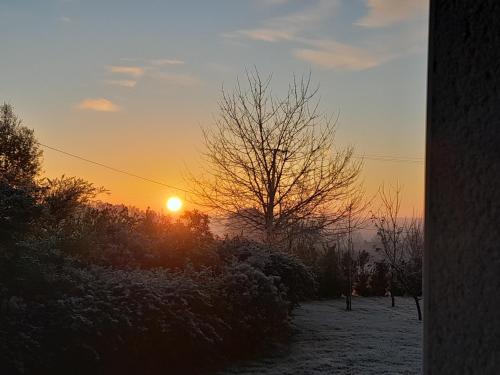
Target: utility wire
{"x": 113, "y": 168}
{"x": 390, "y": 158}
{"x": 385, "y": 158}
{"x": 419, "y": 158}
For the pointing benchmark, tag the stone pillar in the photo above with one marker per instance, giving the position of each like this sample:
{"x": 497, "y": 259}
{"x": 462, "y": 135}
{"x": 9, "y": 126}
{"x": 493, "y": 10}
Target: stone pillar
{"x": 462, "y": 256}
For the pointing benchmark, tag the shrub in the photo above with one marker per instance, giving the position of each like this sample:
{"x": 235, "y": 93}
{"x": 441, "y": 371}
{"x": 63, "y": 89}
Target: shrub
{"x": 296, "y": 279}
{"x": 87, "y": 287}
{"x": 95, "y": 319}
{"x": 331, "y": 275}
{"x": 253, "y": 305}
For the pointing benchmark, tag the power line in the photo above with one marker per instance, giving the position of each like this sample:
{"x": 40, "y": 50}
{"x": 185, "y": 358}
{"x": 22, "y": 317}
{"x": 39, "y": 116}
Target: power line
{"x": 390, "y": 158}
{"x": 420, "y": 158}
{"x": 377, "y": 157}
{"x": 113, "y": 168}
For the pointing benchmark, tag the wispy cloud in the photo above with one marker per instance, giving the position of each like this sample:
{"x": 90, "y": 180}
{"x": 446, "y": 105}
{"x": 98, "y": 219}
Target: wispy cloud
{"x": 122, "y": 82}
{"x": 98, "y": 104}
{"x": 134, "y": 71}
{"x": 289, "y": 26}
{"x": 331, "y": 54}
{"x": 129, "y": 75}
{"x": 267, "y": 35}
{"x": 65, "y": 19}
{"x": 152, "y": 69}
{"x": 166, "y": 62}
{"x": 384, "y": 13}
{"x": 326, "y": 53}
{"x": 302, "y": 30}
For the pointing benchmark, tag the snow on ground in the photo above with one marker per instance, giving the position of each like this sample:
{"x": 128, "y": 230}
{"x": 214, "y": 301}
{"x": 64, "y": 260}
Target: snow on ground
{"x": 373, "y": 338}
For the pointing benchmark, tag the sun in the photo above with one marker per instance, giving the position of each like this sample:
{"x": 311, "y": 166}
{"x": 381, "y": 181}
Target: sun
{"x": 174, "y": 204}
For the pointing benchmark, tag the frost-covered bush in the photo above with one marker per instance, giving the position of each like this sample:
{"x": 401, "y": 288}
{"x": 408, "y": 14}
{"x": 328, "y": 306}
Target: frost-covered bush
{"x": 295, "y": 278}
{"x": 106, "y": 289}
{"x": 138, "y": 321}
{"x": 19, "y": 337}
{"x": 95, "y": 288}
{"x": 102, "y": 319}
{"x": 106, "y": 320}
{"x": 253, "y": 304}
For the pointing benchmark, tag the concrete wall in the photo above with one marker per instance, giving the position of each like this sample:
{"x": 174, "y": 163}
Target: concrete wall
{"x": 462, "y": 270}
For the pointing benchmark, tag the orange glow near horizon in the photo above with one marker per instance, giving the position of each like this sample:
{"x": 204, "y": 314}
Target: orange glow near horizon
{"x": 140, "y": 106}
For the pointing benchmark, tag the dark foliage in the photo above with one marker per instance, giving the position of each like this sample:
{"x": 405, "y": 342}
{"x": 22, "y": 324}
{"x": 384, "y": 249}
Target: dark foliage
{"x": 19, "y": 151}
{"x": 362, "y": 274}
{"x": 330, "y": 275}
{"x": 379, "y": 279}
{"x": 61, "y": 313}
{"x": 94, "y": 288}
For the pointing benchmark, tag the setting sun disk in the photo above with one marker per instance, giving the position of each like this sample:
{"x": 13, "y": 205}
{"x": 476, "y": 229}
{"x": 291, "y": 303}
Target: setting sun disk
{"x": 174, "y": 204}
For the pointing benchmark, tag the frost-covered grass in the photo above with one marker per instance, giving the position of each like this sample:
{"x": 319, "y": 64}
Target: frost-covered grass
{"x": 373, "y": 338}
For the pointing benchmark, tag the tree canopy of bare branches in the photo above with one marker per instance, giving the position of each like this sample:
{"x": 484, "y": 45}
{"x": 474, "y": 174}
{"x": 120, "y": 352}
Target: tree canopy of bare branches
{"x": 402, "y": 244}
{"x": 271, "y": 162}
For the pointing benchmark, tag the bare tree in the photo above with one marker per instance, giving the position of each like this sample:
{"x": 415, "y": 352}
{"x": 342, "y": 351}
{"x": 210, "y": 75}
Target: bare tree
{"x": 411, "y": 269}
{"x": 402, "y": 245}
{"x": 390, "y": 232}
{"x": 354, "y": 220}
{"x": 271, "y": 162}
{"x": 349, "y": 257}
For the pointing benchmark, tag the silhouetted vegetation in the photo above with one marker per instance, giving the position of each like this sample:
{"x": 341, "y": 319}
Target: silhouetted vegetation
{"x": 89, "y": 287}
{"x": 402, "y": 246}
{"x": 271, "y": 166}
{"x": 92, "y": 287}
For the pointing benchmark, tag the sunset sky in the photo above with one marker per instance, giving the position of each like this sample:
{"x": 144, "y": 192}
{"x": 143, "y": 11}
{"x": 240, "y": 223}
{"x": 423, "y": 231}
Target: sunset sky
{"x": 130, "y": 83}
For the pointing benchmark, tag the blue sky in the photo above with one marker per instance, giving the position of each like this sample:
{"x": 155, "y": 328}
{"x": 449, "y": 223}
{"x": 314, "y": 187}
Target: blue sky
{"x": 130, "y": 83}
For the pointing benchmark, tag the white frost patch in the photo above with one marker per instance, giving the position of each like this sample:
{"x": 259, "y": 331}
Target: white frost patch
{"x": 373, "y": 338}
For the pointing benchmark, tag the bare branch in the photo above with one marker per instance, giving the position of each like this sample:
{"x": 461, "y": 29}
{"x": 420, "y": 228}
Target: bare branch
{"x": 271, "y": 162}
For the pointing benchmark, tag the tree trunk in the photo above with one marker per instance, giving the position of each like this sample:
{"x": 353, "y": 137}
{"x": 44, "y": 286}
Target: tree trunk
{"x": 269, "y": 217}
{"x": 348, "y": 291}
{"x": 417, "y": 303}
{"x": 348, "y": 303}
{"x": 393, "y": 300}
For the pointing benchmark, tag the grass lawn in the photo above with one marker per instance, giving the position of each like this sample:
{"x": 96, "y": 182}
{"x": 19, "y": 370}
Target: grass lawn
{"x": 373, "y": 338}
